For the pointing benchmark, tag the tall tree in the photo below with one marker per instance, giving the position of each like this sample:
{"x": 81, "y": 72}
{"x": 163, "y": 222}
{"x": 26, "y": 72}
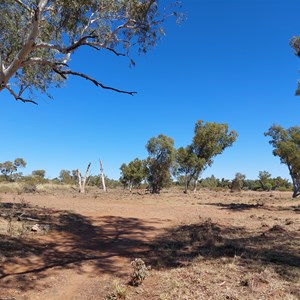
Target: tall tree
{"x": 286, "y": 143}
{"x": 210, "y": 139}
{"x": 159, "y": 162}
{"x": 38, "y": 38}
{"x": 189, "y": 164}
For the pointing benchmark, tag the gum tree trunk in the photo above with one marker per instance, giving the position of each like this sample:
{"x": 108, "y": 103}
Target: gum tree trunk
{"x": 102, "y": 176}
{"x": 83, "y": 180}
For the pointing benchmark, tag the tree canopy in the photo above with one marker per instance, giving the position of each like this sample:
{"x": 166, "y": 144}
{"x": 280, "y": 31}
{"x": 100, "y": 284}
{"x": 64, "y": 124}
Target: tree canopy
{"x": 8, "y": 168}
{"x": 286, "y": 143}
{"x": 210, "y": 139}
{"x": 159, "y": 162}
{"x": 295, "y": 44}
{"x": 134, "y": 173}
{"x": 38, "y": 38}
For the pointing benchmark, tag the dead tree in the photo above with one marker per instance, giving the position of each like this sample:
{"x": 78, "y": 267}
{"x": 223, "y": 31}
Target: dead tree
{"x": 102, "y": 176}
{"x": 82, "y": 181}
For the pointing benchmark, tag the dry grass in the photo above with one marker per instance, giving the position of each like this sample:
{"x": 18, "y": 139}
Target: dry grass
{"x": 212, "y": 245}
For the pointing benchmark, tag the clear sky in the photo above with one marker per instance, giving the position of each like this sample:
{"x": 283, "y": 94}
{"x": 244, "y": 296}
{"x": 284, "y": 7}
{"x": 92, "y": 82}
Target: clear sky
{"x": 229, "y": 62}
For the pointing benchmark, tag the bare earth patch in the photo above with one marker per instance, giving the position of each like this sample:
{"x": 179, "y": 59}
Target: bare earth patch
{"x": 211, "y": 245}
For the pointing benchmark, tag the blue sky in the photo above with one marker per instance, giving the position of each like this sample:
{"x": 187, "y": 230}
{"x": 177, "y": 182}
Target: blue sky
{"x": 229, "y": 62}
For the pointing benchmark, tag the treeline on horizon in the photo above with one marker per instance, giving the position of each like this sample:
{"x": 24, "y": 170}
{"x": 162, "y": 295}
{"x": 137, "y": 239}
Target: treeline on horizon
{"x": 166, "y": 166}
{"x": 264, "y": 181}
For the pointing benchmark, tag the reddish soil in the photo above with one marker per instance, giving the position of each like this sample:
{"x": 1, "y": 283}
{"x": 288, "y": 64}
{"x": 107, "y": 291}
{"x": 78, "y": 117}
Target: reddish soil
{"x": 94, "y": 237}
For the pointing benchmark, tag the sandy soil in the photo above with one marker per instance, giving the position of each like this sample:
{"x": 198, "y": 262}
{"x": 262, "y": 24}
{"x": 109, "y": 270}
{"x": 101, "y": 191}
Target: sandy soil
{"x": 94, "y": 237}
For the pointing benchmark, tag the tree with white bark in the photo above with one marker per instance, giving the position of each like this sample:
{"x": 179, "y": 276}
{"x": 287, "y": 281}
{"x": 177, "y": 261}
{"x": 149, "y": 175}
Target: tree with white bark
{"x": 83, "y": 180}
{"x": 38, "y": 38}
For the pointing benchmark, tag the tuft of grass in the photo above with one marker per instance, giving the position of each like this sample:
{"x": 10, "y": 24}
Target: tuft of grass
{"x": 119, "y": 291}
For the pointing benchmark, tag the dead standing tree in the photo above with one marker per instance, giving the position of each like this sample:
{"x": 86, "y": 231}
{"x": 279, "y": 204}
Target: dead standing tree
{"x": 102, "y": 176}
{"x": 82, "y": 181}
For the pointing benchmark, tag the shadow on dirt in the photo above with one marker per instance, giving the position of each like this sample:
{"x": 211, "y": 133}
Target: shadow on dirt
{"x": 247, "y": 206}
{"x": 235, "y": 206}
{"x": 275, "y": 247}
{"x": 108, "y": 243}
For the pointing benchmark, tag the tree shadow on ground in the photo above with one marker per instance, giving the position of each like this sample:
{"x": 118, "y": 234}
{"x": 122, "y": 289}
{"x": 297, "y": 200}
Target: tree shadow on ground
{"x": 235, "y": 206}
{"x": 107, "y": 243}
{"x": 248, "y": 206}
{"x": 179, "y": 246}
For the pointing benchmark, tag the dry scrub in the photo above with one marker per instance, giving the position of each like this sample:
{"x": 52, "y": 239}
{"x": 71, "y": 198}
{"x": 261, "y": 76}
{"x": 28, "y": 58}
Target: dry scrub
{"x": 212, "y": 245}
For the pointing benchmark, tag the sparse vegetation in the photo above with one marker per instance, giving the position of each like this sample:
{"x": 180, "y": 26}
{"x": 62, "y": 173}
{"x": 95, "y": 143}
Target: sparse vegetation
{"x": 140, "y": 272}
{"x": 241, "y": 245}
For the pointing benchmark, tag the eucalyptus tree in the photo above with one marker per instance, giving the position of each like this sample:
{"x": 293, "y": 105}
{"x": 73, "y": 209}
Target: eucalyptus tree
{"x": 295, "y": 44}
{"x": 210, "y": 139}
{"x": 189, "y": 164}
{"x": 134, "y": 173}
{"x": 8, "y": 168}
{"x": 160, "y": 162}
{"x": 286, "y": 143}
{"x": 38, "y": 38}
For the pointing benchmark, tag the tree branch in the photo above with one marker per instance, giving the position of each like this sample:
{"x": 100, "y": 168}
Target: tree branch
{"x": 97, "y": 83}
{"x": 18, "y": 98}
{"x": 63, "y": 73}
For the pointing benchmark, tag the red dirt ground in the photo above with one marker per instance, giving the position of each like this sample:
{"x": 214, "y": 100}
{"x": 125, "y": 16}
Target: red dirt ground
{"x": 94, "y": 237}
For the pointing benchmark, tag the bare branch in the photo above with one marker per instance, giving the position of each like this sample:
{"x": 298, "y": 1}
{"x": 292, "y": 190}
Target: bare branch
{"x": 63, "y": 73}
{"x": 18, "y": 98}
{"x": 97, "y": 83}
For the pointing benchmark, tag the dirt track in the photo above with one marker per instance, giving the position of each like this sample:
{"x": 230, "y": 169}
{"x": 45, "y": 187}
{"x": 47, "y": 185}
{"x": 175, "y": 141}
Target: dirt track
{"x": 94, "y": 237}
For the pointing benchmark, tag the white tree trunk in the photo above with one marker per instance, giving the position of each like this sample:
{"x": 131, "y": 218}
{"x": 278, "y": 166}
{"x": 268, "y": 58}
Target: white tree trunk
{"x": 102, "y": 176}
{"x": 83, "y": 180}
{"x": 195, "y": 186}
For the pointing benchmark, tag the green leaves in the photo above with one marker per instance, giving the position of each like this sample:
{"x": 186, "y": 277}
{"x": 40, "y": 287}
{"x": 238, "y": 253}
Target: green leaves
{"x": 8, "y": 168}
{"x": 210, "y": 139}
{"x": 37, "y": 40}
{"x": 286, "y": 143}
{"x": 160, "y": 161}
{"x": 134, "y": 173}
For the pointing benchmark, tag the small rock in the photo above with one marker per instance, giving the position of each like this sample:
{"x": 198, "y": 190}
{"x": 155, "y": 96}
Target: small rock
{"x": 46, "y": 228}
{"x": 264, "y": 224}
{"x": 36, "y": 227}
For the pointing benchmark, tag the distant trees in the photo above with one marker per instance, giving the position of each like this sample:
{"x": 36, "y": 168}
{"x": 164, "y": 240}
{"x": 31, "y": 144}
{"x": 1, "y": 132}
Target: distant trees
{"x": 134, "y": 173}
{"x": 286, "y": 143}
{"x": 39, "y": 173}
{"x": 8, "y": 168}
{"x": 238, "y": 182}
{"x": 161, "y": 157}
{"x": 264, "y": 180}
{"x": 187, "y": 163}
{"x": 68, "y": 177}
